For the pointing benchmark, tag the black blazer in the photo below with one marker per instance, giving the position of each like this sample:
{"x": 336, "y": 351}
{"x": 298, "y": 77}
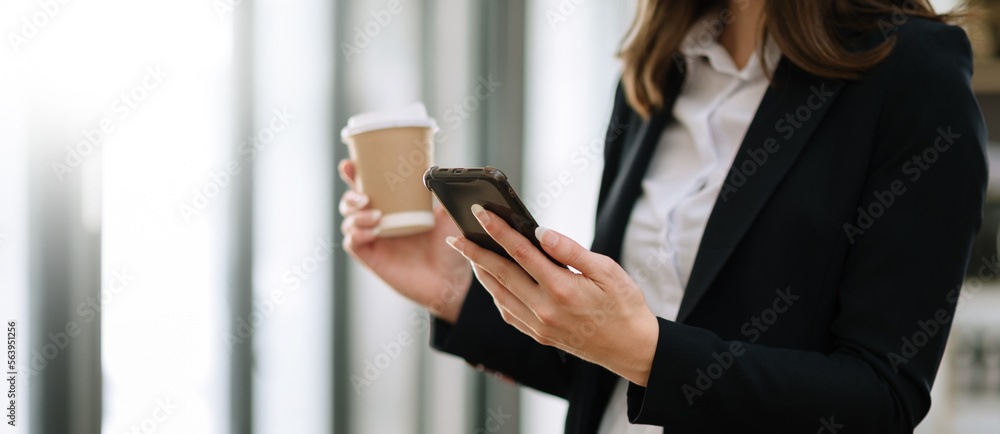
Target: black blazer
{"x": 823, "y": 289}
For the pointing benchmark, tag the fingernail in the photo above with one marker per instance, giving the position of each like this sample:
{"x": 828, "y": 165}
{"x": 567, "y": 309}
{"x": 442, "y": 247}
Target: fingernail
{"x": 376, "y": 214}
{"x": 549, "y": 241}
{"x": 455, "y": 243}
{"x": 480, "y": 213}
{"x": 358, "y": 199}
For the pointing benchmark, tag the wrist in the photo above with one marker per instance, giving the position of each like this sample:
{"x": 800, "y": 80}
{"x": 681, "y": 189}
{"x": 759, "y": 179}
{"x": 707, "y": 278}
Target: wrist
{"x": 448, "y": 304}
{"x": 641, "y": 349}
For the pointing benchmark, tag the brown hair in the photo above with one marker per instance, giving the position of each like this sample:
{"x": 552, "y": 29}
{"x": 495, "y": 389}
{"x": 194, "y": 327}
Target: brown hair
{"x": 808, "y": 32}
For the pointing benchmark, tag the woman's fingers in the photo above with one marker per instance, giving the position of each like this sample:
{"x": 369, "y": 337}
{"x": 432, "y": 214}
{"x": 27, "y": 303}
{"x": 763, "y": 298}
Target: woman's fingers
{"x": 361, "y": 220}
{"x": 355, "y": 239}
{"x": 506, "y": 272}
{"x": 352, "y": 202}
{"x": 346, "y": 169}
{"x": 512, "y": 310}
{"x": 517, "y": 246}
{"x": 360, "y": 228}
{"x": 569, "y": 252}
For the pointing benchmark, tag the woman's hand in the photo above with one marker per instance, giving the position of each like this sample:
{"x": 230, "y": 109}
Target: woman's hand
{"x": 421, "y": 267}
{"x": 599, "y": 315}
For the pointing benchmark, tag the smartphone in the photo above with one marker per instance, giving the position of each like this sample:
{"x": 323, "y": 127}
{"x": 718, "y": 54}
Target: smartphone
{"x": 459, "y": 188}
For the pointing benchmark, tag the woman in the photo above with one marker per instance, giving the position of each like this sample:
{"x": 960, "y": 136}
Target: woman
{"x": 790, "y": 194}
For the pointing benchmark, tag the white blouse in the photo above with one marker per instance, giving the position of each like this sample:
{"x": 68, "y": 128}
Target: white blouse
{"x": 713, "y": 112}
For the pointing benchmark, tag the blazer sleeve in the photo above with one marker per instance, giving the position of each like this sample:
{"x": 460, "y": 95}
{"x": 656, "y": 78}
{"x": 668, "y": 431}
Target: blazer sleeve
{"x": 899, "y": 286}
{"x": 485, "y": 340}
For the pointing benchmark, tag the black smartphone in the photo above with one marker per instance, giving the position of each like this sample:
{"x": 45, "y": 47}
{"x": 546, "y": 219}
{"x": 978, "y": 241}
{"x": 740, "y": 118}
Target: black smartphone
{"x": 459, "y": 188}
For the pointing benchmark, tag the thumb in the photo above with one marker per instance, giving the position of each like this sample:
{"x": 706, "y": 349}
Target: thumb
{"x": 567, "y": 251}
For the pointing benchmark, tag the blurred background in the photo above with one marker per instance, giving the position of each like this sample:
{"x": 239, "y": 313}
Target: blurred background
{"x": 169, "y": 245}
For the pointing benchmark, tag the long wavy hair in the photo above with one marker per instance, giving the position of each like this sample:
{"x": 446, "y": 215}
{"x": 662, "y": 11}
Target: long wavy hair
{"x": 809, "y": 32}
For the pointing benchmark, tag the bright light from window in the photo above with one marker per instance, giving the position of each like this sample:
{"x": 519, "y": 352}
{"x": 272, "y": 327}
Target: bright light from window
{"x": 156, "y": 75}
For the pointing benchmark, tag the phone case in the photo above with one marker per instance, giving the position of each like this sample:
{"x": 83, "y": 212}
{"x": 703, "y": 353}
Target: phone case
{"x": 459, "y": 188}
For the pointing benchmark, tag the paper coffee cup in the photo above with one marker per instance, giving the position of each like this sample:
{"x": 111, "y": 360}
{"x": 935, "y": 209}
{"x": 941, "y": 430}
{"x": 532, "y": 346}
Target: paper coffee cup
{"x": 391, "y": 150}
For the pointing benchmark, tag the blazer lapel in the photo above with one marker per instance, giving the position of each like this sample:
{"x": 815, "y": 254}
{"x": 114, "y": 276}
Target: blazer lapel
{"x": 788, "y": 115}
{"x": 615, "y": 204}
{"x": 625, "y": 189}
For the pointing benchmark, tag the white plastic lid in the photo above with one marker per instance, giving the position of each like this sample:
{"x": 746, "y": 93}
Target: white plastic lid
{"x": 413, "y": 115}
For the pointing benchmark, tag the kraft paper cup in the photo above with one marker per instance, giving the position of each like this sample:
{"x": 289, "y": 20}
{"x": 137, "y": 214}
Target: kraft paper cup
{"x": 391, "y": 150}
